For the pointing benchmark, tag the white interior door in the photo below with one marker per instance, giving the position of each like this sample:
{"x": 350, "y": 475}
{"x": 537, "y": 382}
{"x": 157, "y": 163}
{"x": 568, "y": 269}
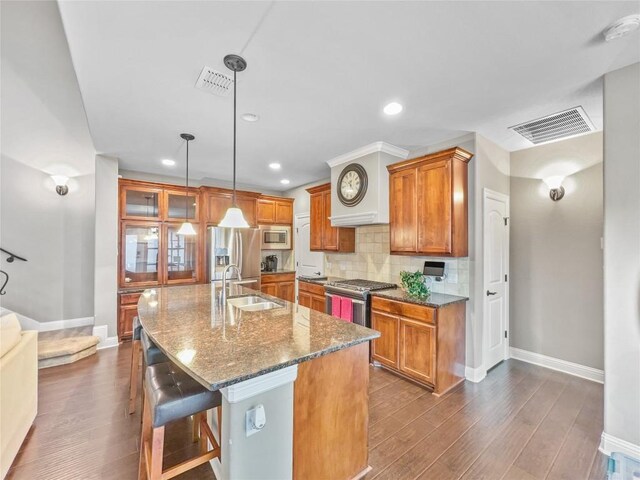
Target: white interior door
{"x": 307, "y": 262}
{"x": 496, "y": 270}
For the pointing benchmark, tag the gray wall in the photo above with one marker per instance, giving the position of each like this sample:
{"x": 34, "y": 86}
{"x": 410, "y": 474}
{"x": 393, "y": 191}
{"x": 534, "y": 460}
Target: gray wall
{"x": 55, "y": 234}
{"x": 106, "y": 244}
{"x": 556, "y": 268}
{"x": 622, "y": 254}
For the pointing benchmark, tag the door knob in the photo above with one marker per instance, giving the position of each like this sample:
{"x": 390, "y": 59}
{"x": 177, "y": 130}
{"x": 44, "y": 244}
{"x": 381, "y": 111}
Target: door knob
{"x": 491, "y": 293}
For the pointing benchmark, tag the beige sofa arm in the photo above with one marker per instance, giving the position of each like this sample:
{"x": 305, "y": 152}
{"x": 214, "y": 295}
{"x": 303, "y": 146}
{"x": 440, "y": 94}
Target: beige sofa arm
{"x": 18, "y": 396}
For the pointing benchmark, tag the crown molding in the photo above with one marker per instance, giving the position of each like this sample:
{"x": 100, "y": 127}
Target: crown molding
{"x": 368, "y": 149}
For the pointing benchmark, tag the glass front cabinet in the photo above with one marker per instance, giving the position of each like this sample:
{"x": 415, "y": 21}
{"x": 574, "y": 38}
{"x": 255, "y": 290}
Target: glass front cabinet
{"x": 151, "y": 251}
{"x": 140, "y": 254}
{"x": 181, "y": 254}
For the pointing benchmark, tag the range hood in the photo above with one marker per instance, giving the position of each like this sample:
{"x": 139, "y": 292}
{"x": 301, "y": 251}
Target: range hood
{"x": 374, "y": 206}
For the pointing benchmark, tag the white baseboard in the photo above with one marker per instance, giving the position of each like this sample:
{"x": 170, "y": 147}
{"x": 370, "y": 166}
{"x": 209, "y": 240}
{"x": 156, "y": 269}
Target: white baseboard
{"x": 571, "y": 368}
{"x": 28, "y": 323}
{"x": 70, "y": 323}
{"x": 475, "y": 375}
{"x": 610, "y": 444}
{"x": 105, "y": 342}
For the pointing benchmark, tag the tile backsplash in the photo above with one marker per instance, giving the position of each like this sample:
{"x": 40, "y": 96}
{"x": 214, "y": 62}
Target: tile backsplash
{"x": 373, "y": 262}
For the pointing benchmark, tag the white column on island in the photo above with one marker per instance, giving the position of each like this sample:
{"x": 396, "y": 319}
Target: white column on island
{"x": 267, "y": 453}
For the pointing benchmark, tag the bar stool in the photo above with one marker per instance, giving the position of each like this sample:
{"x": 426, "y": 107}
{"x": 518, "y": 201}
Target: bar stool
{"x": 171, "y": 395}
{"x": 151, "y": 356}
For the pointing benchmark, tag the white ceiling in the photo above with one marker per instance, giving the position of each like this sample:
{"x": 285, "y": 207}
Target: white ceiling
{"x": 43, "y": 119}
{"x": 319, "y": 74}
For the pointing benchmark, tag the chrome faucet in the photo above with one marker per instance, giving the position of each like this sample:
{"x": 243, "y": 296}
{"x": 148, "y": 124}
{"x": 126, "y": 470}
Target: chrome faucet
{"x": 224, "y": 280}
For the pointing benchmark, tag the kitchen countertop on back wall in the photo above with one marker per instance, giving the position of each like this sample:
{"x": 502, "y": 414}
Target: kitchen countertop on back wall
{"x": 277, "y": 272}
{"x": 435, "y": 300}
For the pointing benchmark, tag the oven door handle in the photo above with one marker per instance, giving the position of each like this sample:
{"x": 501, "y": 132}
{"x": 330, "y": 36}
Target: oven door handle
{"x": 353, "y": 300}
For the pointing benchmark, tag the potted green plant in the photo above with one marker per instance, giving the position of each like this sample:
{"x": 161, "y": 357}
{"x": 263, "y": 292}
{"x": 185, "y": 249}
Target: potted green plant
{"x": 413, "y": 284}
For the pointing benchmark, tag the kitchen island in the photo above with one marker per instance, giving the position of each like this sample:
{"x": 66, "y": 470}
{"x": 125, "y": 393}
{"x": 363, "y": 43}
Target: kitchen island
{"x": 308, "y": 369}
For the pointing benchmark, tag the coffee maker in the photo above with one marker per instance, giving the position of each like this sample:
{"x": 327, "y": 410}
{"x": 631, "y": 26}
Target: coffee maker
{"x": 271, "y": 263}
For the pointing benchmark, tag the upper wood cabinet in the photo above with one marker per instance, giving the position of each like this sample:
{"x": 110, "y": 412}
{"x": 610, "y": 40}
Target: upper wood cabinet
{"x": 273, "y": 210}
{"x": 428, "y": 202}
{"x": 139, "y": 201}
{"x": 178, "y": 206}
{"x": 218, "y": 201}
{"x": 324, "y": 237}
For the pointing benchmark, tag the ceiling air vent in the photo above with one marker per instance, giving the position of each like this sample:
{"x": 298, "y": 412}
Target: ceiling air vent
{"x": 214, "y": 82}
{"x": 568, "y": 123}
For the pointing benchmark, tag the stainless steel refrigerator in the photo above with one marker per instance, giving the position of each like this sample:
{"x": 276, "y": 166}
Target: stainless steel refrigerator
{"x": 238, "y": 246}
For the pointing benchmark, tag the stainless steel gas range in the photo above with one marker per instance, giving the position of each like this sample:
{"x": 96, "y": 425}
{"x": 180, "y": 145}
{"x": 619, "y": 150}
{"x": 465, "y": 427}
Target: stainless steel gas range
{"x": 359, "y": 292}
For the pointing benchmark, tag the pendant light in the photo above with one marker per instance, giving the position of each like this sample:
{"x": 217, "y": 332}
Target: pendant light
{"x": 186, "y": 228}
{"x": 234, "y": 217}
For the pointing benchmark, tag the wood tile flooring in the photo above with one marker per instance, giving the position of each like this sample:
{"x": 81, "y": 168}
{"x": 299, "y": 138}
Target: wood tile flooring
{"x": 522, "y": 422}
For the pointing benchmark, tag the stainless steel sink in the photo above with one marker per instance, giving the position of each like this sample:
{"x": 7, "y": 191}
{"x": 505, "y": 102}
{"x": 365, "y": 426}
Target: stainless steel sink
{"x": 252, "y": 303}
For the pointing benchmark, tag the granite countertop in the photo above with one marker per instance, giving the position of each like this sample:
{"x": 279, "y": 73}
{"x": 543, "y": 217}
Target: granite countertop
{"x": 222, "y": 345}
{"x": 132, "y": 290}
{"x": 320, "y": 281}
{"x": 264, "y": 272}
{"x": 435, "y": 300}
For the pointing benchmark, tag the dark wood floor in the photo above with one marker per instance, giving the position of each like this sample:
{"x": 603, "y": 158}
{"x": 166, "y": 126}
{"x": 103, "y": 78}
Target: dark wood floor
{"x": 523, "y": 422}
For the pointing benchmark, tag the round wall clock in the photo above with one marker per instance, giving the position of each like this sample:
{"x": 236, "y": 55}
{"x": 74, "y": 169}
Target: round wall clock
{"x": 352, "y": 185}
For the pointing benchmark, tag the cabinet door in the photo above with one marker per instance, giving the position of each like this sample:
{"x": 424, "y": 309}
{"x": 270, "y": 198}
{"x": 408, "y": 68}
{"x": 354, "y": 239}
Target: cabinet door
{"x": 318, "y": 303}
{"x": 329, "y": 234}
{"x": 269, "y": 289}
{"x": 125, "y": 321}
{"x": 140, "y": 254}
{"x": 181, "y": 254}
{"x": 140, "y": 203}
{"x": 418, "y": 350}
{"x": 434, "y": 208}
{"x": 316, "y": 221}
{"x": 284, "y": 213}
{"x": 286, "y": 291}
{"x": 304, "y": 299}
{"x": 180, "y": 206}
{"x": 402, "y": 211}
{"x": 248, "y": 207}
{"x": 385, "y": 348}
{"x": 266, "y": 211}
{"x": 217, "y": 205}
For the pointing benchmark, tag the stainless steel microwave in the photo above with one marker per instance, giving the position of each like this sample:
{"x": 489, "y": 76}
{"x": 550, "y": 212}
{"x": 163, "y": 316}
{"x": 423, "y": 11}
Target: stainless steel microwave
{"x": 274, "y": 237}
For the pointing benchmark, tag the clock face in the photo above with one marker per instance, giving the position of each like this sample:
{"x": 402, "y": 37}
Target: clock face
{"x": 352, "y": 185}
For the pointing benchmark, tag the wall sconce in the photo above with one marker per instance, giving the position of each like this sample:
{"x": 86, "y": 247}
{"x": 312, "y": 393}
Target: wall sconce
{"x": 61, "y": 184}
{"x": 556, "y": 190}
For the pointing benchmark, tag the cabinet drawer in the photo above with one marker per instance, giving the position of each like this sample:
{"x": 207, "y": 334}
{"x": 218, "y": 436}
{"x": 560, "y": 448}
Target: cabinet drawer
{"x": 409, "y": 310}
{"x": 278, "y": 277}
{"x": 129, "y": 298}
{"x": 312, "y": 288}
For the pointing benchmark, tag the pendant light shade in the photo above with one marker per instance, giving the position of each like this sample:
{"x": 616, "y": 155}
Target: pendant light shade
{"x": 234, "y": 217}
{"x": 186, "y": 228}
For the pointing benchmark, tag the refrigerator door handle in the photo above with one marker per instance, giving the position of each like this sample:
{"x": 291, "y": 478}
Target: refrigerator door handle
{"x": 239, "y": 240}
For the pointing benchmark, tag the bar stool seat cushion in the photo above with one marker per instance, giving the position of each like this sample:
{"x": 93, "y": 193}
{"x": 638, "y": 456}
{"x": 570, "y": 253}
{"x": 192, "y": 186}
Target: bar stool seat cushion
{"x": 137, "y": 328}
{"x": 173, "y": 394}
{"x": 151, "y": 352}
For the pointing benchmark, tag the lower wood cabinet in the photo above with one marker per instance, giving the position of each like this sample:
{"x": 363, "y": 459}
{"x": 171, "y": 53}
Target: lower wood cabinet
{"x": 311, "y": 295}
{"x": 424, "y": 344}
{"x": 385, "y": 349}
{"x": 418, "y": 350}
{"x": 127, "y": 310}
{"x": 281, "y": 285}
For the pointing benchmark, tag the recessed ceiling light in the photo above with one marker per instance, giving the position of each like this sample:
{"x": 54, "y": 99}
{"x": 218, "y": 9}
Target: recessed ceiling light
{"x": 167, "y": 162}
{"x": 622, "y": 27}
{"x": 392, "y": 108}
{"x": 275, "y": 166}
{"x": 250, "y": 117}
{"x": 284, "y": 181}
